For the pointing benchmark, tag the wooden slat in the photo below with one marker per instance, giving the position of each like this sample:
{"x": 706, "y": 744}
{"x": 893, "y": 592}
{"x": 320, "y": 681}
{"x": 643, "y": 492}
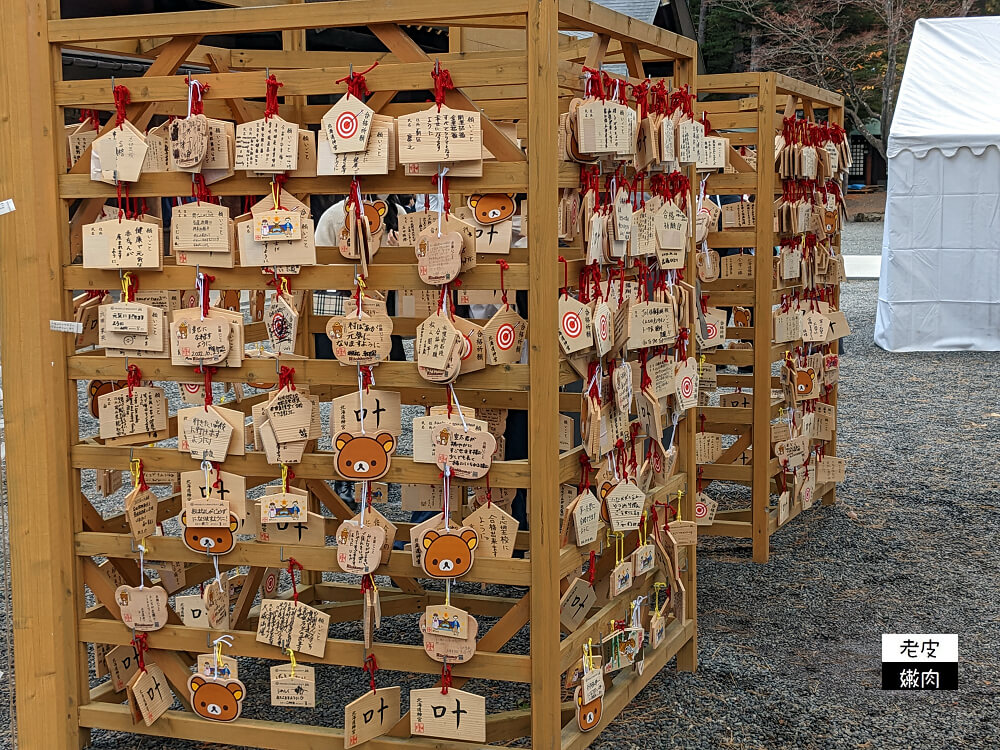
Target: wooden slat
{"x": 497, "y": 177}
{"x": 243, "y": 20}
{"x": 314, "y": 465}
{"x": 332, "y": 276}
{"x": 312, "y": 371}
{"x": 788, "y": 85}
{"x": 485, "y": 570}
{"x": 411, "y": 76}
{"x": 272, "y": 735}
{"x": 586, "y": 16}
{"x": 339, "y": 652}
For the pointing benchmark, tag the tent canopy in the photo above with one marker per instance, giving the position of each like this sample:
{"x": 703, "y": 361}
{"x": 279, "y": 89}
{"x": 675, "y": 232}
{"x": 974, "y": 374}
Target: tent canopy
{"x": 940, "y": 284}
{"x": 950, "y": 95}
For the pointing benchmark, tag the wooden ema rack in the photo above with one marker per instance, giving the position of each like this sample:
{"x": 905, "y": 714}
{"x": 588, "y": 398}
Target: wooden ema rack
{"x": 56, "y": 532}
{"x": 757, "y": 104}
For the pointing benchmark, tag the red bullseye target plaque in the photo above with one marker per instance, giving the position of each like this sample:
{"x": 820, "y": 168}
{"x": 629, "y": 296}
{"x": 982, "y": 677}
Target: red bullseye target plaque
{"x": 571, "y": 324}
{"x": 506, "y": 336}
{"x": 347, "y": 124}
{"x": 576, "y": 326}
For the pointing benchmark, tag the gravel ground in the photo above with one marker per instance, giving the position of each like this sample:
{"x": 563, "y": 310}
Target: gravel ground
{"x": 789, "y": 651}
{"x": 862, "y": 238}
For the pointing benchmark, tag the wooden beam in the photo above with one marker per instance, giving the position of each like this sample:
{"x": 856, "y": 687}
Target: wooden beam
{"x": 762, "y": 354}
{"x": 484, "y": 569}
{"x": 582, "y": 15}
{"x": 597, "y": 50}
{"x": 633, "y": 60}
{"x": 410, "y": 75}
{"x": 276, "y": 18}
{"x": 544, "y": 520}
{"x": 271, "y": 735}
{"x": 402, "y": 45}
{"x": 240, "y": 111}
{"x": 46, "y": 586}
{"x": 172, "y": 639}
{"x": 497, "y": 177}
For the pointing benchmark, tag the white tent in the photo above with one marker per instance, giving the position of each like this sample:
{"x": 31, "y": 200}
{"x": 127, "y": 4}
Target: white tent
{"x": 940, "y": 282}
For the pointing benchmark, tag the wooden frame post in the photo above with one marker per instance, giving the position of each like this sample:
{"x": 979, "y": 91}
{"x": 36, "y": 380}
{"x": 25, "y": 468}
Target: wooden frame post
{"x": 687, "y": 657}
{"x": 543, "y": 440}
{"x": 43, "y": 506}
{"x": 761, "y": 428}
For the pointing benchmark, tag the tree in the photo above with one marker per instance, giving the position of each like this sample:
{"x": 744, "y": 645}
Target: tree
{"x": 855, "y": 47}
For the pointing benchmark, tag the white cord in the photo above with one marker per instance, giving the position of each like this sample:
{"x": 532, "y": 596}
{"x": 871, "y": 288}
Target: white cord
{"x": 191, "y": 84}
{"x": 440, "y": 194}
{"x": 458, "y": 406}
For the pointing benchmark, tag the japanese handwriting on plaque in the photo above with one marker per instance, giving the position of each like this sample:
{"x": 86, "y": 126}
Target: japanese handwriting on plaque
{"x": 293, "y": 685}
{"x": 151, "y": 693}
{"x": 113, "y": 318}
{"x": 651, "y": 324}
{"x": 439, "y": 258}
{"x": 497, "y": 531}
{"x": 372, "y": 715}
{"x": 235, "y": 447}
{"x": 200, "y": 342}
{"x": 361, "y": 340}
{"x": 118, "y": 155}
{"x": 378, "y": 411}
{"x": 625, "y": 504}
{"x": 290, "y": 414}
{"x": 436, "y": 341}
{"x": 269, "y": 144}
{"x": 140, "y": 511}
{"x": 128, "y": 244}
{"x": 347, "y": 125}
{"x": 469, "y": 454}
{"x": 143, "y": 413}
{"x": 586, "y": 513}
{"x": 459, "y": 715}
{"x": 378, "y": 157}
{"x": 359, "y": 548}
{"x": 142, "y": 608}
{"x": 206, "y": 434}
{"x": 188, "y": 139}
{"x": 200, "y": 235}
{"x": 294, "y": 625}
{"x": 576, "y": 604}
{"x": 433, "y": 136}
